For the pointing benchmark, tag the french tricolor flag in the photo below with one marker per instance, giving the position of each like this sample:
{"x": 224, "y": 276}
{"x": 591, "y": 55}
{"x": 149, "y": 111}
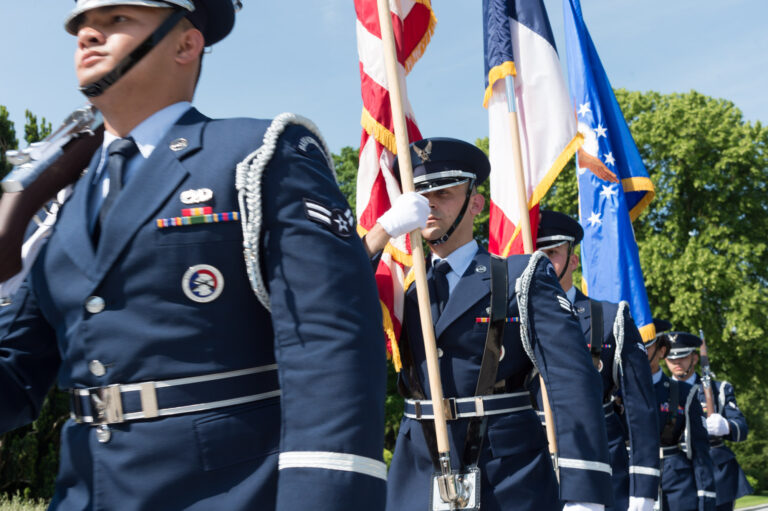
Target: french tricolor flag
{"x": 520, "y": 55}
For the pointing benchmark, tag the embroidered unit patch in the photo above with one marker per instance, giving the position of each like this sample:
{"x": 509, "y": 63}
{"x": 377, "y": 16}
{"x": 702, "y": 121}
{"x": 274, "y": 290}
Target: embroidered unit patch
{"x": 202, "y": 283}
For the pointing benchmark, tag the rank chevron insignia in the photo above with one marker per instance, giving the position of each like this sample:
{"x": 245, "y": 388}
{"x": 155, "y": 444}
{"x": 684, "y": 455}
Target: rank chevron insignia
{"x": 565, "y": 303}
{"x": 341, "y": 223}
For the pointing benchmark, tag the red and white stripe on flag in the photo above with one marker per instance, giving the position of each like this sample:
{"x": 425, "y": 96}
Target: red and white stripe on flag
{"x": 548, "y": 134}
{"x": 377, "y": 187}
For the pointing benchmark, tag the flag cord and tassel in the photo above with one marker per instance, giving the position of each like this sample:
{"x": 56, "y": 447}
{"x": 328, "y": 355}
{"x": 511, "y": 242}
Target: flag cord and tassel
{"x": 525, "y": 232}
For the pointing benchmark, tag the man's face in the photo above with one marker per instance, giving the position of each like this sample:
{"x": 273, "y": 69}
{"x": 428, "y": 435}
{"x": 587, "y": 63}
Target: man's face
{"x": 558, "y": 256}
{"x": 445, "y": 205}
{"x": 106, "y": 35}
{"x": 655, "y": 353}
{"x": 561, "y": 260}
{"x": 682, "y": 367}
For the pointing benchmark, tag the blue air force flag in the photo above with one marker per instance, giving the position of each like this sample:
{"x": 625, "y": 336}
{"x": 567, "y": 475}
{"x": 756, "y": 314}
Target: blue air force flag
{"x": 614, "y": 186}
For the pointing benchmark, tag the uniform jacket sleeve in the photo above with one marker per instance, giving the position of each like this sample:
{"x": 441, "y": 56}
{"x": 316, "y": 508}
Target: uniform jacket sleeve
{"x": 703, "y": 468}
{"x": 726, "y": 403}
{"x": 29, "y": 360}
{"x": 574, "y": 389}
{"x": 329, "y": 343}
{"x": 639, "y": 400}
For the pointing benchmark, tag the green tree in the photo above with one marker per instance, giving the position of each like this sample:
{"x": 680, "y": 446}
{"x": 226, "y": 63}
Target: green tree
{"x": 34, "y": 132}
{"x": 346, "y": 172}
{"x": 481, "y": 220}
{"x": 701, "y": 240}
{"x": 7, "y": 141}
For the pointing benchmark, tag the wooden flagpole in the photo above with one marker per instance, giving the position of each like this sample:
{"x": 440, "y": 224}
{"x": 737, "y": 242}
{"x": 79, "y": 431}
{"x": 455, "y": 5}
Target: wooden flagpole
{"x": 525, "y": 232}
{"x": 419, "y": 266}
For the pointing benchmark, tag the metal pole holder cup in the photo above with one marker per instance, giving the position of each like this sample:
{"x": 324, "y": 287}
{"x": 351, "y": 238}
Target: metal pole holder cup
{"x": 454, "y": 490}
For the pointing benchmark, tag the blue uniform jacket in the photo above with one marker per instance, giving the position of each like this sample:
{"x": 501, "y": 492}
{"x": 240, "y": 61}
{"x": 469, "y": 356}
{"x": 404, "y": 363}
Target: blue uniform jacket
{"x": 515, "y": 464}
{"x": 325, "y": 430}
{"x": 636, "y": 473}
{"x": 687, "y": 475}
{"x": 729, "y": 477}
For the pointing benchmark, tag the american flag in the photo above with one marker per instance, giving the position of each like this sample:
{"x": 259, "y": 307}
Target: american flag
{"x": 413, "y": 22}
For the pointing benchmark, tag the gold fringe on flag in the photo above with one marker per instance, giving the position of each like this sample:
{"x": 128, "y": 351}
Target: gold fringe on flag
{"x": 639, "y": 184}
{"x": 544, "y": 185}
{"x": 389, "y": 330}
{"x": 378, "y": 131}
{"x": 417, "y": 52}
{"x": 497, "y": 73}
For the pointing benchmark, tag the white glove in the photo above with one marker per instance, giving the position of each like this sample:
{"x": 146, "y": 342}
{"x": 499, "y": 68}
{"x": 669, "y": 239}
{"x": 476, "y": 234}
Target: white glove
{"x": 717, "y": 425}
{"x": 409, "y": 212}
{"x": 640, "y": 504}
{"x": 583, "y": 506}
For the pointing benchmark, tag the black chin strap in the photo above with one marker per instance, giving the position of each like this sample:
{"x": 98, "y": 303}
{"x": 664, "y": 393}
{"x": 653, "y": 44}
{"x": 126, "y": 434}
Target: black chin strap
{"x": 689, "y": 371}
{"x": 98, "y": 87}
{"x": 567, "y": 261}
{"x": 442, "y": 239}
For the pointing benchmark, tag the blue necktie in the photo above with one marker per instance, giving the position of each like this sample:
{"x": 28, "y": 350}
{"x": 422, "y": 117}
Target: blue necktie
{"x": 119, "y": 153}
{"x": 442, "y": 290}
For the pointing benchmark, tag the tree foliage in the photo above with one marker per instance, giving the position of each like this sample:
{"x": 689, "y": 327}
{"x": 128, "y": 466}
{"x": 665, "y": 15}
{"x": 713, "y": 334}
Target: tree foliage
{"x": 7, "y": 140}
{"x": 346, "y": 173}
{"x": 34, "y": 132}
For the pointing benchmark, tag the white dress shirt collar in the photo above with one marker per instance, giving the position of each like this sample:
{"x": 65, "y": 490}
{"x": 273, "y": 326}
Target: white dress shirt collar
{"x": 459, "y": 260}
{"x": 691, "y": 380}
{"x": 657, "y": 376}
{"x": 148, "y": 133}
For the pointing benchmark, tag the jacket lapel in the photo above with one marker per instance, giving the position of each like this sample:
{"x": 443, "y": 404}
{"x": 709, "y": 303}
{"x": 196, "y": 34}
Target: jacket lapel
{"x": 583, "y": 310}
{"x": 72, "y": 223}
{"x": 148, "y": 189}
{"x": 473, "y": 285}
{"x": 412, "y": 294}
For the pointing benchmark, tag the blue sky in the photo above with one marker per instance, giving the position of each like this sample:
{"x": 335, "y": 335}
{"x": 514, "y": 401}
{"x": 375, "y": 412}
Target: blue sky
{"x": 302, "y": 57}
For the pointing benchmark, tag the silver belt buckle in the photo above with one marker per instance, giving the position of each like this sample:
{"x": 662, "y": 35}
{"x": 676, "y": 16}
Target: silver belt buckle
{"x": 106, "y": 404}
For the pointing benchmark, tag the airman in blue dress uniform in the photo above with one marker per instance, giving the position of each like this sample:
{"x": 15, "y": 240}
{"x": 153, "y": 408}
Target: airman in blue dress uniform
{"x": 201, "y": 376}
{"x": 617, "y": 348}
{"x": 540, "y": 331}
{"x": 726, "y": 423}
{"x": 687, "y": 473}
